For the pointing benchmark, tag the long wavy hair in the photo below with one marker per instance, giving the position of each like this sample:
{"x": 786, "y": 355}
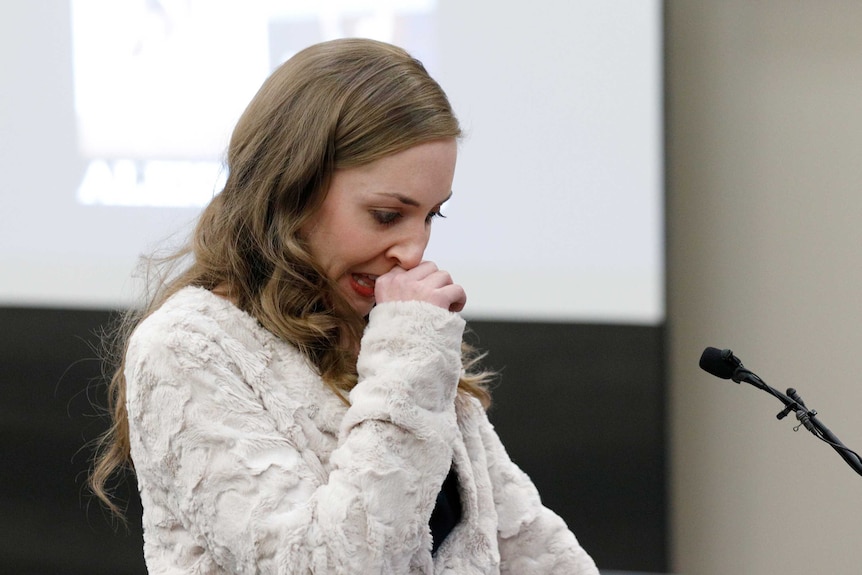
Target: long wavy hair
{"x": 334, "y": 105}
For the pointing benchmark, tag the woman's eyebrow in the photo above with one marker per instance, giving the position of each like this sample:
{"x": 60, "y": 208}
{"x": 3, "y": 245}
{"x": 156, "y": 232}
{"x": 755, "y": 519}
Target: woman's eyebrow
{"x": 408, "y": 201}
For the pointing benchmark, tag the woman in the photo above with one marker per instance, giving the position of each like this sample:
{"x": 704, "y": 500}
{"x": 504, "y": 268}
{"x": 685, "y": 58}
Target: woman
{"x": 297, "y": 400}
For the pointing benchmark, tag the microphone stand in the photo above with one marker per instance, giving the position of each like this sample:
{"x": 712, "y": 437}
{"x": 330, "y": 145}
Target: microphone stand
{"x": 806, "y": 417}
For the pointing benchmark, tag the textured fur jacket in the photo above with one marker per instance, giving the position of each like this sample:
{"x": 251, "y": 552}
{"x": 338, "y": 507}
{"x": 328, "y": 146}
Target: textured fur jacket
{"x": 247, "y": 463}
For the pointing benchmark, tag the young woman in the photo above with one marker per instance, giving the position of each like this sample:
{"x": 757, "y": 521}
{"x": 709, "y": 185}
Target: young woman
{"x": 298, "y": 400}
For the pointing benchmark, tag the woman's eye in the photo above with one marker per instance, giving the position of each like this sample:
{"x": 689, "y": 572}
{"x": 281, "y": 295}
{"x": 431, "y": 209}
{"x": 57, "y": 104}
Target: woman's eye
{"x": 385, "y": 217}
{"x": 435, "y": 214}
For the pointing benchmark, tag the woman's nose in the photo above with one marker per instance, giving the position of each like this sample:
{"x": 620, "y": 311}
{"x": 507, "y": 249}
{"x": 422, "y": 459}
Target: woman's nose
{"x": 409, "y": 250}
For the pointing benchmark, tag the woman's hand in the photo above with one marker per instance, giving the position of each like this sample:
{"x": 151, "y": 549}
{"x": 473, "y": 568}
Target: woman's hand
{"x": 425, "y": 282}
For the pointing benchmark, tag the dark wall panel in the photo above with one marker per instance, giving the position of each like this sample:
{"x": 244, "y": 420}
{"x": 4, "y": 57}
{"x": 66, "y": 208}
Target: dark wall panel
{"x": 579, "y": 407}
{"x": 48, "y": 385}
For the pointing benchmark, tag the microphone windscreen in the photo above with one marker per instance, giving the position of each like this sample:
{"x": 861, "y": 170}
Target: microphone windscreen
{"x": 713, "y": 361}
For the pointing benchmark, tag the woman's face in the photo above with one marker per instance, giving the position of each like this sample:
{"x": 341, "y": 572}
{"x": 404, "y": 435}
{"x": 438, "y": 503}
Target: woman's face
{"x": 378, "y": 216}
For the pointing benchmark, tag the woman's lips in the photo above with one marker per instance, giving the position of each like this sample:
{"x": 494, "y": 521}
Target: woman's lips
{"x": 363, "y": 284}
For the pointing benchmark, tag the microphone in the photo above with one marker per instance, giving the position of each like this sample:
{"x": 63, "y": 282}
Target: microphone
{"x": 722, "y": 363}
{"x": 719, "y": 362}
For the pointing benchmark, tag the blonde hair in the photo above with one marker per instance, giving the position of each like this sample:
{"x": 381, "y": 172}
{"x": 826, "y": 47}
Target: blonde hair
{"x": 333, "y": 105}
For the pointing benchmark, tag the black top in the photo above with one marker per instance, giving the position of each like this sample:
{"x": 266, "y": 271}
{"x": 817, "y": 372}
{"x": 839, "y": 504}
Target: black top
{"x": 447, "y": 511}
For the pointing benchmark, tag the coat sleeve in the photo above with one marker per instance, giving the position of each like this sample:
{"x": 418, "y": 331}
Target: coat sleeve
{"x": 533, "y": 540}
{"x": 212, "y": 464}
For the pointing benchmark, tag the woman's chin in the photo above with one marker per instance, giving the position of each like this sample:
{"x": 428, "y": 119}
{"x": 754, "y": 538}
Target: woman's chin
{"x": 360, "y": 304}
{"x": 363, "y": 309}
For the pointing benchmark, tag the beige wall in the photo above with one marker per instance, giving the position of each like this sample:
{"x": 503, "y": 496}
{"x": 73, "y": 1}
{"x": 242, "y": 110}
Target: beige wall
{"x": 765, "y": 257}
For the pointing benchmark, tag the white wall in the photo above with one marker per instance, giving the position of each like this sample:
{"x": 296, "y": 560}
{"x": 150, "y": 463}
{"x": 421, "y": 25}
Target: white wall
{"x": 557, "y": 207}
{"x": 765, "y": 257}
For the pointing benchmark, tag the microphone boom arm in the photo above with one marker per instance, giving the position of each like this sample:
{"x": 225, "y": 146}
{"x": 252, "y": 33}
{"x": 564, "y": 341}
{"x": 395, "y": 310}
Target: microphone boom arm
{"x": 792, "y": 403}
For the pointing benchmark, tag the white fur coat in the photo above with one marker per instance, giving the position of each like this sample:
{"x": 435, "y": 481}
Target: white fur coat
{"x": 247, "y": 463}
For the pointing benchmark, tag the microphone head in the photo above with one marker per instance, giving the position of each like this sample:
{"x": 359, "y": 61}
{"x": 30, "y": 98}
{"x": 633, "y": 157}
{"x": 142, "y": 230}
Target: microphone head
{"x": 718, "y": 362}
